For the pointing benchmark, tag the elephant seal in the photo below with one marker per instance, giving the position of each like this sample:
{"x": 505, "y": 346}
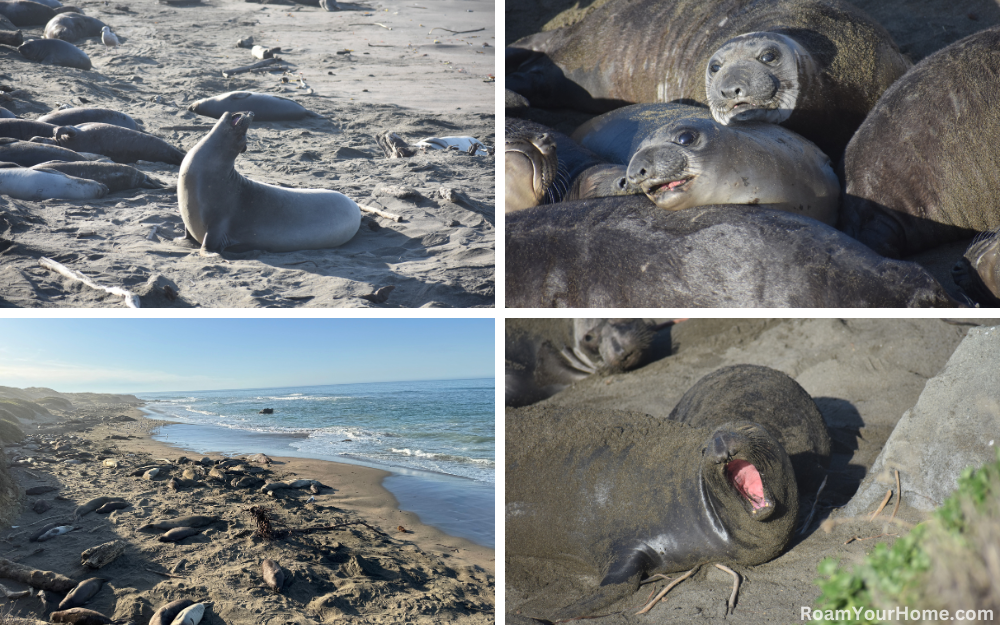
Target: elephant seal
{"x": 264, "y": 106}
{"x": 82, "y": 115}
{"x": 28, "y": 13}
{"x": 5, "y": 114}
{"x": 274, "y": 577}
{"x": 79, "y": 616}
{"x": 977, "y": 273}
{"x": 24, "y": 129}
{"x": 770, "y": 398}
{"x": 55, "y": 52}
{"x": 544, "y": 356}
{"x": 92, "y": 505}
{"x": 115, "y": 176}
{"x": 82, "y": 593}
{"x": 680, "y": 157}
{"x": 184, "y": 521}
{"x": 625, "y": 495}
{"x": 922, "y": 170}
{"x": 73, "y": 27}
{"x": 222, "y": 209}
{"x": 166, "y": 614}
{"x": 624, "y": 252}
{"x": 34, "y": 185}
{"x": 190, "y": 615}
{"x": 179, "y": 533}
{"x": 659, "y": 51}
{"x": 119, "y": 144}
{"x": 28, "y": 154}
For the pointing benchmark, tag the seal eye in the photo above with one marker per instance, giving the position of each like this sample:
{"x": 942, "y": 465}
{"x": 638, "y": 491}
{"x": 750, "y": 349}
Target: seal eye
{"x": 714, "y": 67}
{"x": 686, "y": 138}
{"x": 768, "y": 57}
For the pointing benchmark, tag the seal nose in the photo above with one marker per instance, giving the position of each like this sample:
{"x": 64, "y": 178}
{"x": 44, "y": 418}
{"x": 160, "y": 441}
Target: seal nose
{"x": 723, "y": 447}
{"x": 639, "y": 167}
{"x": 741, "y": 80}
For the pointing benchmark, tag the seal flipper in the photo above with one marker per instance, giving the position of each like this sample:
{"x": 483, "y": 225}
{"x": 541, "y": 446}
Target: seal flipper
{"x": 621, "y": 581}
{"x": 215, "y": 241}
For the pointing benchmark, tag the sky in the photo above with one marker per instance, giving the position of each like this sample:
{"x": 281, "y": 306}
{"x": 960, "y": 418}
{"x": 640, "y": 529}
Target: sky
{"x": 150, "y": 355}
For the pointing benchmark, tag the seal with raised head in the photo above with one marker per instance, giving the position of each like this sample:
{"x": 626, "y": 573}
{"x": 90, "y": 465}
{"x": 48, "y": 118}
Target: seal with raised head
{"x": 923, "y": 169}
{"x": 659, "y": 51}
{"x": 680, "y": 157}
{"x": 73, "y": 27}
{"x": 264, "y": 106}
{"x": 544, "y": 356}
{"x": 624, "y": 496}
{"x": 223, "y": 210}
{"x": 624, "y": 252}
{"x": 772, "y": 399}
{"x": 83, "y": 115}
{"x": 121, "y": 145}
{"x": 55, "y": 52}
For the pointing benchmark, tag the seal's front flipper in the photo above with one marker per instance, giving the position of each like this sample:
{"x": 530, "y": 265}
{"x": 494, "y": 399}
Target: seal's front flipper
{"x": 187, "y": 237}
{"x": 215, "y": 241}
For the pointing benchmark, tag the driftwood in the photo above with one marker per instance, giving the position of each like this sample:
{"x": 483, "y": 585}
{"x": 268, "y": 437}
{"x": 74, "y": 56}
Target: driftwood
{"x": 46, "y": 580}
{"x": 131, "y": 300}
{"x": 380, "y": 212}
{"x": 226, "y": 73}
{"x": 266, "y": 530}
{"x": 103, "y": 554}
{"x": 11, "y": 37}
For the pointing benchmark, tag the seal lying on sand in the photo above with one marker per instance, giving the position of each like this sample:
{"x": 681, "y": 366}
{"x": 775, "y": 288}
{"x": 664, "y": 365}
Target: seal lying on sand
{"x": 625, "y": 252}
{"x": 923, "y": 169}
{"x": 115, "y": 176}
{"x": 28, "y": 154}
{"x": 121, "y": 145}
{"x": 770, "y": 398}
{"x": 73, "y": 27}
{"x": 223, "y": 210}
{"x": 264, "y": 106}
{"x": 82, "y": 115}
{"x": 818, "y": 65}
{"x": 627, "y": 495}
{"x": 680, "y": 157}
{"x": 37, "y": 185}
{"x": 544, "y": 356}
{"x": 55, "y": 52}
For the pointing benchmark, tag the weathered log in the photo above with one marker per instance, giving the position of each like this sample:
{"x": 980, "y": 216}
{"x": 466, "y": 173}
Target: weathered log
{"x": 103, "y": 554}
{"x": 46, "y": 580}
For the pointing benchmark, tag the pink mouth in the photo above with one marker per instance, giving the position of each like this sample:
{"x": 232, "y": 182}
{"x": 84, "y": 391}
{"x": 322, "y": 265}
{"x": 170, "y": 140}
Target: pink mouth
{"x": 669, "y": 186}
{"x": 746, "y": 479}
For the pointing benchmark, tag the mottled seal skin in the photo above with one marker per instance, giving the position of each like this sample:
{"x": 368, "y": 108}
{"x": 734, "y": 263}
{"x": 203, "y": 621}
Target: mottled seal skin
{"x": 73, "y": 27}
{"x": 770, "y": 398}
{"x": 264, "y": 106}
{"x": 55, "y": 52}
{"x": 923, "y": 169}
{"x": 166, "y": 614}
{"x": 657, "y": 51}
{"x": 119, "y": 144}
{"x": 222, "y": 209}
{"x": 30, "y": 184}
{"x": 81, "y": 115}
{"x": 115, "y": 176}
{"x": 28, "y": 13}
{"x": 82, "y": 593}
{"x": 977, "y": 273}
{"x": 625, "y": 252}
{"x": 680, "y": 157}
{"x": 24, "y": 129}
{"x": 28, "y": 154}
{"x": 625, "y": 495}
{"x": 544, "y": 356}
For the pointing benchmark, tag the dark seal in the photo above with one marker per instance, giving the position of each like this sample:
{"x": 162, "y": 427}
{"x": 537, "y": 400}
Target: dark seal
{"x": 544, "y": 356}
{"x": 624, "y": 252}
{"x": 121, "y": 145}
{"x": 82, "y": 115}
{"x": 55, "y": 52}
{"x": 770, "y": 398}
{"x": 659, "y": 51}
{"x": 923, "y": 169}
{"x": 625, "y": 495}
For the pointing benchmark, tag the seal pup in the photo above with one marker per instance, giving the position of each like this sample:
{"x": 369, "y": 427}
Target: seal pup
{"x": 115, "y": 176}
{"x": 28, "y": 154}
{"x": 92, "y": 505}
{"x": 197, "y": 520}
{"x": 55, "y": 531}
{"x": 79, "y": 616}
{"x": 55, "y": 52}
{"x": 544, "y": 356}
{"x": 922, "y": 170}
{"x": 625, "y": 252}
{"x": 73, "y": 27}
{"x": 680, "y": 157}
{"x": 772, "y": 399}
{"x": 623, "y": 496}
{"x": 82, "y": 115}
{"x": 190, "y": 615}
{"x": 25, "y": 129}
{"x": 82, "y": 593}
{"x": 628, "y": 52}
{"x": 166, "y": 613}
{"x": 264, "y": 106}
{"x": 179, "y": 533}
{"x": 223, "y": 210}
{"x": 977, "y": 273}
{"x": 274, "y": 576}
{"x": 27, "y": 13}
{"x": 121, "y": 145}
{"x": 35, "y": 185}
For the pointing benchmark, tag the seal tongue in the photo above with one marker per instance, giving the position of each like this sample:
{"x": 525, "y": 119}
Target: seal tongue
{"x": 746, "y": 479}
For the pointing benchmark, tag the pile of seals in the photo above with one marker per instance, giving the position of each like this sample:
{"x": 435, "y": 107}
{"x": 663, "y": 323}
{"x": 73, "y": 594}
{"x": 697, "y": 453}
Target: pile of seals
{"x": 705, "y": 104}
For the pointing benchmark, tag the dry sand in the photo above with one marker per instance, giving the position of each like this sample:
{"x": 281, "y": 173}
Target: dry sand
{"x": 863, "y": 374}
{"x": 362, "y": 573}
{"x": 405, "y": 73}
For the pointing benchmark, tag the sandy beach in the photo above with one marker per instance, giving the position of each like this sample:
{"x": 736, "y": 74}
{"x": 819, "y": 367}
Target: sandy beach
{"x": 863, "y": 374}
{"x": 420, "y": 70}
{"x": 381, "y": 565}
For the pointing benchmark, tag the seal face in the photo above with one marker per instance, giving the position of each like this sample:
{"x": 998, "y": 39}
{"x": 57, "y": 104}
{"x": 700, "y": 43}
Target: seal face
{"x": 627, "y": 495}
{"x": 530, "y": 167}
{"x": 757, "y": 77}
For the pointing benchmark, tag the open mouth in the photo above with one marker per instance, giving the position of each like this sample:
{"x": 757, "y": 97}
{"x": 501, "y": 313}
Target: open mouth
{"x": 658, "y": 187}
{"x": 241, "y": 119}
{"x": 745, "y": 478}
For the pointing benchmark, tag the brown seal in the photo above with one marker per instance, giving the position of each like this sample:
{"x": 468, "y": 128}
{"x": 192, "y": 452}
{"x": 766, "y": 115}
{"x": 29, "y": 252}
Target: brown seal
{"x": 79, "y": 616}
{"x": 977, "y": 273}
{"x": 923, "y": 169}
{"x": 82, "y": 593}
{"x": 273, "y": 575}
{"x": 165, "y": 614}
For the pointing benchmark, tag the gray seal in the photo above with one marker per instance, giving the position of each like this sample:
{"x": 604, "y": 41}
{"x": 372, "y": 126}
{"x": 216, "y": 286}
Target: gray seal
{"x": 82, "y": 593}
{"x": 923, "y": 169}
{"x": 222, "y": 209}
{"x": 264, "y": 106}
{"x": 25, "y": 129}
{"x": 115, "y": 176}
{"x": 28, "y": 13}
{"x": 37, "y": 185}
{"x": 623, "y": 495}
{"x": 544, "y": 356}
{"x": 81, "y": 115}
{"x": 55, "y": 52}
{"x": 624, "y": 252}
{"x": 119, "y": 144}
{"x": 658, "y": 51}
{"x": 680, "y": 157}
{"x": 73, "y": 27}
{"x": 28, "y": 154}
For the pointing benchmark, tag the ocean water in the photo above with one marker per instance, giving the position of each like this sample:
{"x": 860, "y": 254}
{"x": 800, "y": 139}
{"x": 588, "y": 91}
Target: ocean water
{"x": 435, "y": 437}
